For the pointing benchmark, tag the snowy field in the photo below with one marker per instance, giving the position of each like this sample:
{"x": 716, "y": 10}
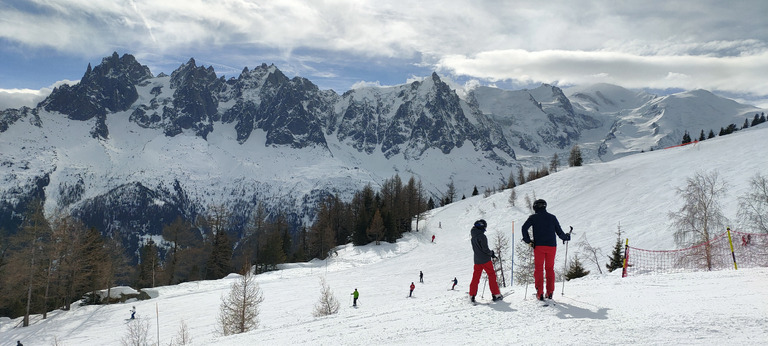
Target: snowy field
{"x": 725, "y": 307}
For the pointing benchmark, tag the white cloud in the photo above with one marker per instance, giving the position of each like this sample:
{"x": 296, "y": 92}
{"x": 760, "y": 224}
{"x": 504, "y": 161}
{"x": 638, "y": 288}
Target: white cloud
{"x": 364, "y": 84}
{"x": 652, "y": 44}
{"x": 744, "y": 74}
{"x": 17, "y": 98}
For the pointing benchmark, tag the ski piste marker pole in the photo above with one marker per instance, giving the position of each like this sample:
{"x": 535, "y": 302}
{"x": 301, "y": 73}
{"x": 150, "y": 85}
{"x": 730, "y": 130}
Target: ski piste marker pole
{"x": 512, "y": 265}
{"x": 565, "y": 266}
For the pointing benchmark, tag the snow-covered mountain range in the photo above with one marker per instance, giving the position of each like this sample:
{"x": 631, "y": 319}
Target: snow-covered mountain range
{"x": 129, "y": 151}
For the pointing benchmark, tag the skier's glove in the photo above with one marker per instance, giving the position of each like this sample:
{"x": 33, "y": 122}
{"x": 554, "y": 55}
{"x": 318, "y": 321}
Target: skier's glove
{"x": 531, "y": 244}
{"x": 567, "y": 237}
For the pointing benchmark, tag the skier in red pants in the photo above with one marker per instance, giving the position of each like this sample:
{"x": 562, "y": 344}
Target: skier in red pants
{"x": 545, "y": 228}
{"x": 483, "y": 257}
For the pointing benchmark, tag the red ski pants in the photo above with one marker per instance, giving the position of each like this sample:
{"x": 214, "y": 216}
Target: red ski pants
{"x": 544, "y": 261}
{"x": 488, "y": 267}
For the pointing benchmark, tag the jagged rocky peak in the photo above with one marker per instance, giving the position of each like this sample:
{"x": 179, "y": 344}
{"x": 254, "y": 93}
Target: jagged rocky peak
{"x": 108, "y": 87}
{"x": 116, "y": 67}
{"x": 191, "y": 73}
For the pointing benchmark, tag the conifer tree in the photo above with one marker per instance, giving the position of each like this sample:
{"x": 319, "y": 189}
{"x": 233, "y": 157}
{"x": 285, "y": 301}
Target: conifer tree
{"x": 148, "y": 265}
{"x": 575, "y": 269}
{"x": 220, "y": 257}
{"x": 616, "y": 259}
{"x": 575, "y": 159}
{"x": 686, "y": 138}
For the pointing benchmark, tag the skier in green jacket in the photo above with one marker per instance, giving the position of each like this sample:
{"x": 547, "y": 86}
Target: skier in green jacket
{"x": 355, "y": 295}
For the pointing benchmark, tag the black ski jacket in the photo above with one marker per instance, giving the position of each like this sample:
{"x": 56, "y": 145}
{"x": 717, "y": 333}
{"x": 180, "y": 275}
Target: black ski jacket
{"x": 545, "y": 227}
{"x": 480, "y": 246}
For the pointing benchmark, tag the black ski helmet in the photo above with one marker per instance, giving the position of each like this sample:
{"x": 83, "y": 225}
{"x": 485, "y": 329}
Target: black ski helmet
{"x": 481, "y": 224}
{"x": 539, "y": 204}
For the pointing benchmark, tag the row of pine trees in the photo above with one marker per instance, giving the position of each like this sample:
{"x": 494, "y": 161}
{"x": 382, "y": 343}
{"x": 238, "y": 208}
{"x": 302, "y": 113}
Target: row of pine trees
{"x": 757, "y": 120}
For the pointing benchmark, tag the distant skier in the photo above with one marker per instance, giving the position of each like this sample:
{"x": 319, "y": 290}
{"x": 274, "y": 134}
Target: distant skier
{"x": 18, "y": 343}
{"x": 412, "y": 288}
{"x": 545, "y": 228}
{"x": 355, "y": 295}
{"x": 746, "y": 239}
{"x": 455, "y": 282}
{"x": 433, "y": 238}
{"x": 133, "y": 313}
{"x": 421, "y": 276}
{"x": 483, "y": 257}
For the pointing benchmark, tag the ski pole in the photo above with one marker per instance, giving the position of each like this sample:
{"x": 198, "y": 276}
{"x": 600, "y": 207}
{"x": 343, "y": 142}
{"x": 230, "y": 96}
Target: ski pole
{"x": 484, "y": 282}
{"x": 565, "y": 266}
{"x": 528, "y": 277}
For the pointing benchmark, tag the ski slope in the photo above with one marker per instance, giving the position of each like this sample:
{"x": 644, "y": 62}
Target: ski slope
{"x": 637, "y": 192}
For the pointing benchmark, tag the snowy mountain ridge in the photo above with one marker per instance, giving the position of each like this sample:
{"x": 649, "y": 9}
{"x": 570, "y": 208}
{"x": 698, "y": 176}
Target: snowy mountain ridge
{"x": 127, "y": 151}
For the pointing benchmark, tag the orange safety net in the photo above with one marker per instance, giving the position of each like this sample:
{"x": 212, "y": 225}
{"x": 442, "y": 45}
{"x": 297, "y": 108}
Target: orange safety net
{"x": 749, "y": 250}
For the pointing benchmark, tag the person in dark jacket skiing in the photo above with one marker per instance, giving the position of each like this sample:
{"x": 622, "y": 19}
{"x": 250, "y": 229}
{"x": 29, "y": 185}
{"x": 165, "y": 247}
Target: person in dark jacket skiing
{"x": 544, "y": 243}
{"x": 483, "y": 257}
{"x": 421, "y": 276}
{"x": 455, "y": 282}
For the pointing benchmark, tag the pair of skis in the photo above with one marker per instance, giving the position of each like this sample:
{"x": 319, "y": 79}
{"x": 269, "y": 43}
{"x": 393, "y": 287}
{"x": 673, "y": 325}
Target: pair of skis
{"x": 547, "y": 302}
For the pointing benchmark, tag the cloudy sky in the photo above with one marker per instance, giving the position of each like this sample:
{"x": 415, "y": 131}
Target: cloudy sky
{"x": 662, "y": 46}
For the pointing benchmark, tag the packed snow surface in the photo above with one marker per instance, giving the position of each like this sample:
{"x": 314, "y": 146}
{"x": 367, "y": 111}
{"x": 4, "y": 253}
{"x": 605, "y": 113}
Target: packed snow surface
{"x": 636, "y": 192}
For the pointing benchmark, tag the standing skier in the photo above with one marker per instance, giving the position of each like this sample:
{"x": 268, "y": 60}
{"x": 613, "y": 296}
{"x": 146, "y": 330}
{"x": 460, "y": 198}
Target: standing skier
{"x": 455, "y": 282}
{"x": 412, "y": 288}
{"x": 433, "y": 238}
{"x": 355, "y": 295}
{"x": 421, "y": 276}
{"x": 133, "y": 312}
{"x": 545, "y": 228}
{"x": 483, "y": 256}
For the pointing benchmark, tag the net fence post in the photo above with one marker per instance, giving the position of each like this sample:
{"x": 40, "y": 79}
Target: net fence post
{"x": 733, "y": 254}
{"x": 626, "y": 257}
